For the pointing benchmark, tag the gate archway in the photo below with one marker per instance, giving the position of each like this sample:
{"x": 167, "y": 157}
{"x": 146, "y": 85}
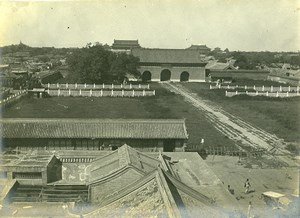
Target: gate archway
{"x": 146, "y": 76}
{"x": 184, "y": 76}
{"x": 165, "y": 75}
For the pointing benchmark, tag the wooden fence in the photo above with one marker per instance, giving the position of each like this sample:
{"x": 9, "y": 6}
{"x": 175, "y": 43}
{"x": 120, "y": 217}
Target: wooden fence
{"x": 13, "y": 98}
{"x": 258, "y": 88}
{"x": 100, "y": 93}
{"x": 216, "y": 151}
{"x": 267, "y": 94}
{"x": 96, "y": 86}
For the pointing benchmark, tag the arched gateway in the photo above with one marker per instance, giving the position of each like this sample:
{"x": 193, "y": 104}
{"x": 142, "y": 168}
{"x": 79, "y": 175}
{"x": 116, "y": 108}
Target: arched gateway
{"x": 146, "y": 76}
{"x": 165, "y": 75}
{"x": 184, "y": 76}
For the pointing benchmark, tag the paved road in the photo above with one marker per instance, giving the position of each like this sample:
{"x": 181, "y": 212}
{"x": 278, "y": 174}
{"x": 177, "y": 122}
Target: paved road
{"x": 239, "y": 131}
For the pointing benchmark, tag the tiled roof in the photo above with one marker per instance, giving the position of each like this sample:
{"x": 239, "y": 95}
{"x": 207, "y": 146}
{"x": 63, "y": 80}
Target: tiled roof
{"x": 125, "y": 44}
{"x": 124, "y": 157}
{"x": 167, "y": 56}
{"x": 93, "y": 128}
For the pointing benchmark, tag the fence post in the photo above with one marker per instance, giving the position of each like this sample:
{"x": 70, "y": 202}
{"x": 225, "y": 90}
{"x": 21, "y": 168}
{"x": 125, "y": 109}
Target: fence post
{"x": 267, "y": 94}
{"x": 48, "y": 91}
{"x": 84, "y": 85}
{"x": 57, "y": 85}
{"x": 226, "y": 93}
{"x": 236, "y": 92}
{"x": 246, "y": 92}
{"x": 112, "y": 92}
{"x": 69, "y": 92}
{"x": 75, "y": 85}
{"x": 94, "y": 85}
{"x": 280, "y": 88}
{"x": 254, "y": 87}
{"x": 132, "y": 92}
{"x": 67, "y": 85}
{"x": 112, "y": 86}
{"x": 130, "y": 86}
{"x": 263, "y": 88}
{"x": 277, "y": 95}
{"x": 48, "y": 85}
{"x": 271, "y": 88}
{"x": 256, "y": 93}
{"x": 209, "y": 86}
{"x": 122, "y": 92}
{"x": 121, "y": 85}
{"x": 139, "y": 86}
{"x": 103, "y": 86}
{"x": 101, "y": 92}
{"x": 144, "y": 93}
{"x": 148, "y": 86}
{"x": 80, "y": 92}
{"x": 153, "y": 92}
{"x": 289, "y": 88}
{"x": 58, "y": 92}
{"x": 219, "y": 86}
{"x": 91, "y": 93}
{"x": 245, "y": 87}
{"x": 287, "y": 94}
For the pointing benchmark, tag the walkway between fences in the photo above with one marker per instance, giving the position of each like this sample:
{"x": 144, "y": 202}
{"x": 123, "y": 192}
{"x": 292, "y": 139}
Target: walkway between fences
{"x": 258, "y": 88}
{"x": 96, "y": 86}
{"x": 100, "y": 93}
{"x": 13, "y": 98}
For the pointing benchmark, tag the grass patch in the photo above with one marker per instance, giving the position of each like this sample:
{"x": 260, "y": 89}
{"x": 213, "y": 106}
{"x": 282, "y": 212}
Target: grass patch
{"x": 275, "y": 115}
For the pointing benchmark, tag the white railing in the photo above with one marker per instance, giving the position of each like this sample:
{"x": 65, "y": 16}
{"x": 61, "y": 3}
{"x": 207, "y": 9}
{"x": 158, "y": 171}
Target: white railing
{"x": 13, "y": 97}
{"x": 100, "y": 93}
{"x": 258, "y": 88}
{"x": 267, "y": 94}
{"x": 96, "y": 86}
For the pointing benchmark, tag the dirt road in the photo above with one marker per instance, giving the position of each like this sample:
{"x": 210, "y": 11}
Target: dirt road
{"x": 242, "y": 133}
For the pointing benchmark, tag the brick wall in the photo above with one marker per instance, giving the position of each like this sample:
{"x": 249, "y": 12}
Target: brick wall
{"x": 196, "y": 74}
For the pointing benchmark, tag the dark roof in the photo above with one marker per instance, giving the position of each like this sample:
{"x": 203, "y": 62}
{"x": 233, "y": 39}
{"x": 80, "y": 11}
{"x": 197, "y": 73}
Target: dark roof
{"x": 93, "y": 128}
{"x": 167, "y": 56}
{"x": 219, "y": 66}
{"x": 199, "y": 47}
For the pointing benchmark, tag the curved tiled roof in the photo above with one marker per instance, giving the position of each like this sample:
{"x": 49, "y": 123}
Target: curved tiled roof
{"x": 93, "y": 128}
{"x": 170, "y": 56}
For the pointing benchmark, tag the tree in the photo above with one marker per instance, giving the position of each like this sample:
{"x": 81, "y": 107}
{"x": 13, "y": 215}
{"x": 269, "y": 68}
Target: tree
{"x": 94, "y": 64}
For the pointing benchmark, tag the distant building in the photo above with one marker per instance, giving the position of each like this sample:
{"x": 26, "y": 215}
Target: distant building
{"x": 124, "y": 45}
{"x": 170, "y": 65}
{"x": 93, "y": 134}
{"x": 285, "y": 75}
{"x": 203, "y": 49}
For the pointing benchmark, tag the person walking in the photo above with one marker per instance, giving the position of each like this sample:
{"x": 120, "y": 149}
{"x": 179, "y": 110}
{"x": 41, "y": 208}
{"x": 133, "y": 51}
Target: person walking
{"x": 247, "y": 186}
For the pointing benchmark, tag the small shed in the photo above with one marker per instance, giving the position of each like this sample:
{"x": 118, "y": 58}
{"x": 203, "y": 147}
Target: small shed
{"x": 33, "y": 169}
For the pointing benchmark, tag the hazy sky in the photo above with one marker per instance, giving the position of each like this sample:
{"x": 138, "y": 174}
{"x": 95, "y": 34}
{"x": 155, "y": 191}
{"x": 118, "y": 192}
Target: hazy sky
{"x": 248, "y": 25}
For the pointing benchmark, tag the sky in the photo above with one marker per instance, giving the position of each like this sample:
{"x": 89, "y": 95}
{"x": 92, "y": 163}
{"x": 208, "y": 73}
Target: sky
{"x": 245, "y": 25}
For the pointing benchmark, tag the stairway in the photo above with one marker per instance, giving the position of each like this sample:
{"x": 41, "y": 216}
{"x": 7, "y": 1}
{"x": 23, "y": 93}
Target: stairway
{"x": 50, "y": 193}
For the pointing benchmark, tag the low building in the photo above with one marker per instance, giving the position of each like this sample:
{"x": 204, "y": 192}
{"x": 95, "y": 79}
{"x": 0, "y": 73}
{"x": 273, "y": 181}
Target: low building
{"x": 175, "y": 65}
{"x": 93, "y": 134}
{"x": 285, "y": 75}
{"x": 33, "y": 169}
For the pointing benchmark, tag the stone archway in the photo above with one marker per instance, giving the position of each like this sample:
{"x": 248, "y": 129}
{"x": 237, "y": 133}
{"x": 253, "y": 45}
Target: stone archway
{"x": 146, "y": 76}
{"x": 165, "y": 75}
{"x": 184, "y": 76}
